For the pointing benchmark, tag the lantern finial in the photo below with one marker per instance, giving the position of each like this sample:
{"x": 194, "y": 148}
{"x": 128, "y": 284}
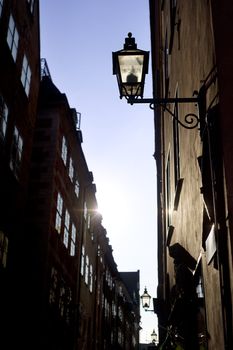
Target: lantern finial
{"x": 130, "y": 42}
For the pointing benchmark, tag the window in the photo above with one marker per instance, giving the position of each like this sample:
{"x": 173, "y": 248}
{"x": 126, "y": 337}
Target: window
{"x": 60, "y": 295}
{"x": 120, "y": 313}
{"x": 87, "y": 270}
{"x": 168, "y": 192}
{"x": 53, "y": 286}
{"x": 12, "y": 37}
{"x": 88, "y": 220}
{"x": 73, "y": 240}
{"x": 26, "y": 75}
{"x": 114, "y": 309}
{"x": 77, "y": 187}
{"x": 16, "y": 152}
{"x": 91, "y": 278}
{"x": 59, "y": 213}
{"x": 61, "y": 303}
{"x": 82, "y": 261}
{"x": 1, "y": 5}
{"x": 64, "y": 150}
{"x": 64, "y": 224}
{"x": 166, "y": 70}
{"x": 3, "y": 117}
{"x": 31, "y": 4}
{"x": 66, "y": 229}
{"x": 3, "y": 249}
{"x": 71, "y": 170}
{"x": 176, "y": 145}
{"x": 85, "y": 211}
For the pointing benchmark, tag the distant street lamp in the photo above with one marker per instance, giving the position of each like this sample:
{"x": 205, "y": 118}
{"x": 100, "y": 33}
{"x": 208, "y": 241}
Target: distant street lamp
{"x": 130, "y": 65}
{"x": 154, "y": 337}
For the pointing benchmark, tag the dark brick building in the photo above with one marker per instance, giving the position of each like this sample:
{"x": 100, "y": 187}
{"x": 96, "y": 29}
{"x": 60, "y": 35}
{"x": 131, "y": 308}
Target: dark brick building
{"x": 59, "y": 283}
{"x": 19, "y": 87}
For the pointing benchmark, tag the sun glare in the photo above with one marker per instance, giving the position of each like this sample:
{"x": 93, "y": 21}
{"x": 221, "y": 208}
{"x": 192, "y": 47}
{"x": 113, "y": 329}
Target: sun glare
{"x": 112, "y": 205}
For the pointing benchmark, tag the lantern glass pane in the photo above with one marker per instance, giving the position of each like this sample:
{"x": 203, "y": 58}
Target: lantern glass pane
{"x": 131, "y": 67}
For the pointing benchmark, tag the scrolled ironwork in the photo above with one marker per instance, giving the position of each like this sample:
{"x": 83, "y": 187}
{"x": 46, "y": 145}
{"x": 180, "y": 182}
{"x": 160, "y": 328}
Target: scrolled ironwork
{"x": 191, "y": 120}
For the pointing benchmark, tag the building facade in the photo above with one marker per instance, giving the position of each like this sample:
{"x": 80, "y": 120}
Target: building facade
{"x": 19, "y": 87}
{"x": 191, "y": 58}
{"x": 59, "y": 284}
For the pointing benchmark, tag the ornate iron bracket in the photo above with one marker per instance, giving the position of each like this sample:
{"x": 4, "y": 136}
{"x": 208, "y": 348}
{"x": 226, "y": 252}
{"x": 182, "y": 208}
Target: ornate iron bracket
{"x": 191, "y": 120}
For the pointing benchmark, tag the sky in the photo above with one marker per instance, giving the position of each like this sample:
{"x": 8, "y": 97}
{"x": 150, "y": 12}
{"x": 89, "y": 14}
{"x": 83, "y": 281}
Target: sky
{"x": 77, "y": 40}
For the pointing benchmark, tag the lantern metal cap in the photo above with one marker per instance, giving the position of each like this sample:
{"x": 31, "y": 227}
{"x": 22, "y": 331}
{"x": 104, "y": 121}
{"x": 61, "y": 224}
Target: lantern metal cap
{"x": 130, "y": 43}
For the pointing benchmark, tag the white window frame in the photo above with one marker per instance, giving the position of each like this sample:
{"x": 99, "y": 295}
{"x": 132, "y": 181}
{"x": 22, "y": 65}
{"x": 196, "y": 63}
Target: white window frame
{"x": 91, "y": 278}
{"x": 26, "y": 75}
{"x": 1, "y": 6}
{"x": 16, "y": 152}
{"x": 3, "y": 117}
{"x": 66, "y": 229}
{"x": 59, "y": 211}
{"x": 82, "y": 268}
{"x": 31, "y": 4}
{"x": 77, "y": 188}
{"x": 88, "y": 221}
{"x": 73, "y": 240}
{"x": 71, "y": 170}
{"x": 85, "y": 210}
{"x": 64, "y": 150}
{"x": 3, "y": 249}
{"x": 53, "y": 286}
{"x": 87, "y": 265}
{"x": 12, "y": 37}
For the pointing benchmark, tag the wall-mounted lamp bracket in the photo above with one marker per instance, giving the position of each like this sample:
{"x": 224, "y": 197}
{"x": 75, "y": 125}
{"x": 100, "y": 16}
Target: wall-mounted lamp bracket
{"x": 191, "y": 120}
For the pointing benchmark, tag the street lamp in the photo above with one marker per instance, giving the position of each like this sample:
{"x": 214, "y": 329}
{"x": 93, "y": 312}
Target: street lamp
{"x": 146, "y": 298}
{"x": 130, "y": 66}
{"x": 154, "y": 337}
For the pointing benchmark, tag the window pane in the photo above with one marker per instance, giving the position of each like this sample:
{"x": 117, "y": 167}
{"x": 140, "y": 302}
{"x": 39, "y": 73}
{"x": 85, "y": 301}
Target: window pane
{"x": 72, "y": 249}
{"x": 71, "y": 170}
{"x": 77, "y": 188}
{"x": 66, "y": 237}
{"x": 12, "y": 37}
{"x": 64, "y": 150}
{"x": 26, "y": 75}
{"x": 3, "y": 117}
{"x": 16, "y": 152}
{"x": 73, "y": 233}
{"x": 1, "y": 5}
{"x": 59, "y": 213}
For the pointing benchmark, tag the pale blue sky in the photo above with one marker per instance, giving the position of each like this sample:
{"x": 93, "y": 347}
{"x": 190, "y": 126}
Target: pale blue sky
{"x": 77, "y": 40}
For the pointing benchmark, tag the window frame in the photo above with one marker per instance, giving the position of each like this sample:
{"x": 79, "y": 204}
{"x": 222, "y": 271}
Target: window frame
{"x": 1, "y": 7}
{"x": 168, "y": 191}
{"x": 71, "y": 170}
{"x": 64, "y": 150}
{"x": 66, "y": 232}
{"x": 26, "y": 75}
{"x": 59, "y": 213}
{"x": 4, "y": 112}
{"x": 87, "y": 266}
{"x": 31, "y": 4}
{"x": 77, "y": 188}
{"x": 16, "y": 151}
{"x": 4, "y": 242}
{"x": 73, "y": 237}
{"x": 12, "y": 37}
{"x": 176, "y": 144}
